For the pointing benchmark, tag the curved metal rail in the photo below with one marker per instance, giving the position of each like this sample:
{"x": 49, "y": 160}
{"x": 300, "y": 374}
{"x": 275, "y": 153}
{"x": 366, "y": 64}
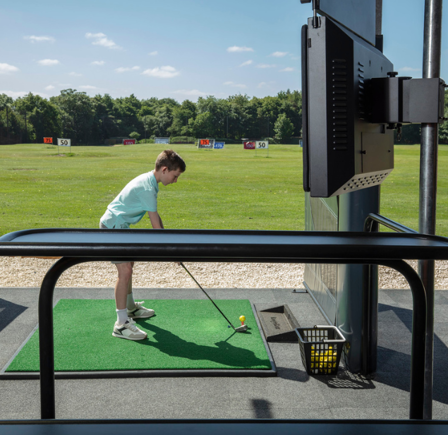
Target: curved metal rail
{"x": 78, "y": 246}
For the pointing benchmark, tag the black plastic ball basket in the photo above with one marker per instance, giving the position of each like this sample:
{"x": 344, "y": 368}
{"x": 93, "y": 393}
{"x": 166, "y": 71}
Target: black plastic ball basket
{"x": 321, "y": 349}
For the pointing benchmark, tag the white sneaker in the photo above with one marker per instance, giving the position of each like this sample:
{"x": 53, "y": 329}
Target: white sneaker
{"x": 128, "y": 331}
{"x": 140, "y": 312}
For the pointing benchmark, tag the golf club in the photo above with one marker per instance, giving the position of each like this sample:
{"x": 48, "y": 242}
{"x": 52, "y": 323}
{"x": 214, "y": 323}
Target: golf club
{"x": 242, "y": 328}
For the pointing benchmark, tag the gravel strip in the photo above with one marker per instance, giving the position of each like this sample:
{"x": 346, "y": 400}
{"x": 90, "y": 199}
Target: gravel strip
{"x": 29, "y": 272}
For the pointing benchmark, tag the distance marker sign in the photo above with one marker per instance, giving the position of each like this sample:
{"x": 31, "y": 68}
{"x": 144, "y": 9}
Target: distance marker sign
{"x": 261, "y": 145}
{"x": 206, "y": 143}
{"x": 249, "y": 145}
{"x": 48, "y": 140}
{"x": 219, "y": 145}
{"x": 64, "y": 142}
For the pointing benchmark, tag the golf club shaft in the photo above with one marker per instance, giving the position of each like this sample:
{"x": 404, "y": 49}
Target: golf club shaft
{"x": 211, "y": 300}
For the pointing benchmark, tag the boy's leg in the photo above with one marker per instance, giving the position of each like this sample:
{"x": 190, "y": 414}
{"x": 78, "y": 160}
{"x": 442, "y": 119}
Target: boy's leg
{"x": 124, "y": 284}
{"x": 125, "y": 327}
{"x": 136, "y": 310}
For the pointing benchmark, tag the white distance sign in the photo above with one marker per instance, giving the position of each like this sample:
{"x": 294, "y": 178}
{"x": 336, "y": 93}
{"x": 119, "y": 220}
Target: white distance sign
{"x": 64, "y": 142}
{"x": 261, "y": 145}
{"x": 162, "y": 140}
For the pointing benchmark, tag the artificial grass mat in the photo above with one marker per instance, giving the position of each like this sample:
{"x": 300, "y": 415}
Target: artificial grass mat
{"x": 183, "y": 334}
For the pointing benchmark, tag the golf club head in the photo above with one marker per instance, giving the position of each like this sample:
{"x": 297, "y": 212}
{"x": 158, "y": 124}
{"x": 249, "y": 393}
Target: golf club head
{"x": 242, "y": 328}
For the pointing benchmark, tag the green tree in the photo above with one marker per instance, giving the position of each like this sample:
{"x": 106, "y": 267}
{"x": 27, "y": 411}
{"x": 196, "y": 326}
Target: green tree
{"x": 217, "y": 110}
{"x": 76, "y": 113}
{"x": 149, "y": 122}
{"x": 203, "y": 125}
{"x": 443, "y": 128}
{"x": 283, "y": 128}
{"x": 135, "y": 135}
{"x": 164, "y": 119}
{"x": 126, "y": 111}
{"x": 105, "y": 122}
{"x": 42, "y": 117}
{"x": 6, "y": 104}
{"x": 291, "y": 106}
{"x": 181, "y": 115}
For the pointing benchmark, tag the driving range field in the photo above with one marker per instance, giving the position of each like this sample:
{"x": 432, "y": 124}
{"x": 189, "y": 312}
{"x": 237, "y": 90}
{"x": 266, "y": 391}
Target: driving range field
{"x": 232, "y": 188}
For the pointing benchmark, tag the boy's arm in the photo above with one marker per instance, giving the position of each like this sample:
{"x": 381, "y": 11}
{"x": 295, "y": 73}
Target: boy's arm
{"x": 156, "y": 220}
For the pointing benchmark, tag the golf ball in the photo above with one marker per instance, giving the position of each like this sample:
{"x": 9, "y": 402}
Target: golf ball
{"x": 242, "y": 318}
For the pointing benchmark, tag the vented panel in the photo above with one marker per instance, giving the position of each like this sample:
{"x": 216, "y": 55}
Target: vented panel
{"x": 339, "y": 91}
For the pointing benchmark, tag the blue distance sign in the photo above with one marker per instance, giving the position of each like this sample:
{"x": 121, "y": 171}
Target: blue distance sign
{"x": 219, "y": 145}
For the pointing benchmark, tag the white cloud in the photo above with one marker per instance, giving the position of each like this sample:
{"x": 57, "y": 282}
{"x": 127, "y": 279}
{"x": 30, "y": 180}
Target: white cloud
{"x": 98, "y": 62}
{"x": 236, "y": 49}
{"x": 87, "y": 87}
{"x": 408, "y": 68}
{"x": 287, "y": 69}
{"x": 100, "y": 39}
{"x": 49, "y": 88}
{"x": 163, "y": 72}
{"x": 153, "y": 53}
{"x": 248, "y": 62}
{"x": 191, "y": 93}
{"x": 5, "y": 68}
{"x": 34, "y": 38}
{"x": 234, "y": 85}
{"x": 265, "y": 65}
{"x": 122, "y": 69}
{"x": 266, "y": 84}
{"x": 279, "y": 54}
{"x": 48, "y": 62}
{"x": 75, "y": 74}
{"x": 14, "y": 94}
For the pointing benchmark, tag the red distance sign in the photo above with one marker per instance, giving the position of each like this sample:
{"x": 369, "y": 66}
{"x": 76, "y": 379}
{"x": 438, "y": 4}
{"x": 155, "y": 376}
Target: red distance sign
{"x": 128, "y": 141}
{"x": 204, "y": 142}
{"x": 250, "y": 145}
{"x": 48, "y": 140}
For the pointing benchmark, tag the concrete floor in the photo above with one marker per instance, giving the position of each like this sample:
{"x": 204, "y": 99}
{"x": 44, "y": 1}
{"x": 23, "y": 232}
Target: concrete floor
{"x": 292, "y": 394}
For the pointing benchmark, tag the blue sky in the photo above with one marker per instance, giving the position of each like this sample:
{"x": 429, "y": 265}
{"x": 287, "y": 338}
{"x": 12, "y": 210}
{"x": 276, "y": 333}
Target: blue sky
{"x": 180, "y": 49}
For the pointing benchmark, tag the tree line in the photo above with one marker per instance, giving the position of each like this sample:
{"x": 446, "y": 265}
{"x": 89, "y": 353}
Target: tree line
{"x": 95, "y": 120}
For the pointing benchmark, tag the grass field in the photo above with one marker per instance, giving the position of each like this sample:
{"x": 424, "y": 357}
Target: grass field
{"x": 221, "y": 189}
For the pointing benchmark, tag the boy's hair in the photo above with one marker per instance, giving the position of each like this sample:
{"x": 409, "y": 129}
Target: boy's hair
{"x": 171, "y": 160}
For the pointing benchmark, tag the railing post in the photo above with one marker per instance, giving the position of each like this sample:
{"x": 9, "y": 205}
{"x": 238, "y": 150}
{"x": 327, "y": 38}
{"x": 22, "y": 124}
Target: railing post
{"x": 46, "y": 338}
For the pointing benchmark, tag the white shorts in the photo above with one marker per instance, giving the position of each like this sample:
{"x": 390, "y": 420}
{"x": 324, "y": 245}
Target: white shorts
{"x": 103, "y": 227}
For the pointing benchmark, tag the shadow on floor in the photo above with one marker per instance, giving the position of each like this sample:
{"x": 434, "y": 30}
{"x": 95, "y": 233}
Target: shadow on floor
{"x": 9, "y": 312}
{"x": 262, "y": 408}
{"x": 394, "y": 366}
{"x": 347, "y": 380}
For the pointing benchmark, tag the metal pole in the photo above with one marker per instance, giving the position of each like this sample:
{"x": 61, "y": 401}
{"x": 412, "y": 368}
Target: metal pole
{"x": 46, "y": 340}
{"x": 428, "y": 182}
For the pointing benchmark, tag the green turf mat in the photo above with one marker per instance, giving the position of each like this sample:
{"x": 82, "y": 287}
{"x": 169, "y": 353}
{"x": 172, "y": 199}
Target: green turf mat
{"x": 184, "y": 334}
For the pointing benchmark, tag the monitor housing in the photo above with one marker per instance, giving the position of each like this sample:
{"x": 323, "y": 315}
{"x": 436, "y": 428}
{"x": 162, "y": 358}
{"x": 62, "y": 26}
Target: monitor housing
{"x": 343, "y": 151}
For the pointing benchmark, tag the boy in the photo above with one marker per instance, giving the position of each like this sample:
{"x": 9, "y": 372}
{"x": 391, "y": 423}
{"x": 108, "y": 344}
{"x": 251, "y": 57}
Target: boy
{"x": 138, "y": 197}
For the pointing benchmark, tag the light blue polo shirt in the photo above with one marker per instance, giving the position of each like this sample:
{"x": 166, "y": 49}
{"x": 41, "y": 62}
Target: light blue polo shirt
{"x": 138, "y": 197}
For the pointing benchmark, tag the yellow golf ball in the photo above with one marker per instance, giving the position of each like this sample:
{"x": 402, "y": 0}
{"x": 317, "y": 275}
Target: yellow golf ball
{"x": 242, "y": 318}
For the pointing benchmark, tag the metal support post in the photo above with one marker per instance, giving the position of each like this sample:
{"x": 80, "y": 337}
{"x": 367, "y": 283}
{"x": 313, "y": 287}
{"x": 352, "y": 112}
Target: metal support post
{"x": 428, "y": 181}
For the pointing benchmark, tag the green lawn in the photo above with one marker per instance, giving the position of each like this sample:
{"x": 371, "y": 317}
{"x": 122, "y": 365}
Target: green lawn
{"x": 221, "y": 189}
